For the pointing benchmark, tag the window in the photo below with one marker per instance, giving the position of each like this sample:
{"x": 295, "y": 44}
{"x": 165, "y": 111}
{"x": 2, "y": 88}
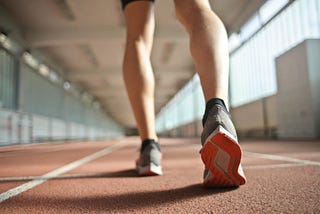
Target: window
{"x": 8, "y": 80}
{"x": 270, "y": 8}
{"x": 250, "y": 28}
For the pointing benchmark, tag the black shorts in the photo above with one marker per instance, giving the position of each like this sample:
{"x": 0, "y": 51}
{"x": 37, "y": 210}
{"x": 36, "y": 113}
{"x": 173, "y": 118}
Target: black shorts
{"x": 125, "y": 2}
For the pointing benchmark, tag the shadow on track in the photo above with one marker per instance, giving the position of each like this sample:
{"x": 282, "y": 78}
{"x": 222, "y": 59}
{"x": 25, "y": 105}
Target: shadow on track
{"x": 118, "y": 174}
{"x": 131, "y": 201}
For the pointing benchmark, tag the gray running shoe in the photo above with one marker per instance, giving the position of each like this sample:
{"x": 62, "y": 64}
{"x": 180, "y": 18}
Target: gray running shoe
{"x": 221, "y": 152}
{"x": 149, "y": 161}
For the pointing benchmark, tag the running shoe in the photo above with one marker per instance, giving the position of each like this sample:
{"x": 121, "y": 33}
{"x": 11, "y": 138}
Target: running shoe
{"x": 149, "y": 161}
{"x": 221, "y": 152}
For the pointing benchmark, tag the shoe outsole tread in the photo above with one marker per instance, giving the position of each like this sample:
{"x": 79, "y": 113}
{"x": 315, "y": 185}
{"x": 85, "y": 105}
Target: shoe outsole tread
{"x": 151, "y": 169}
{"x": 221, "y": 155}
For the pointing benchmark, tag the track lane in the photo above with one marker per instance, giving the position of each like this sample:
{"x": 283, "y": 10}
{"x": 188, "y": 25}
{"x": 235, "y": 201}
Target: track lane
{"x": 109, "y": 184}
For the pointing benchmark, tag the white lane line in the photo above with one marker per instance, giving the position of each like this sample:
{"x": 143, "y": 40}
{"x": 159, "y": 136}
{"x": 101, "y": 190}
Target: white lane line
{"x": 281, "y": 158}
{"x": 66, "y": 176}
{"x": 273, "y": 166}
{"x": 24, "y": 187}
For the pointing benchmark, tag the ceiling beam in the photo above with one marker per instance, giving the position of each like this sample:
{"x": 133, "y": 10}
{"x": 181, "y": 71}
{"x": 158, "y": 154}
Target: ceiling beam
{"x": 74, "y": 35}
{"x": 159, "y": 71}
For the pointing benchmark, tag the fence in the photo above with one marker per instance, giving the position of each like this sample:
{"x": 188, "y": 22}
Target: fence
{"x": 23, "y": 128}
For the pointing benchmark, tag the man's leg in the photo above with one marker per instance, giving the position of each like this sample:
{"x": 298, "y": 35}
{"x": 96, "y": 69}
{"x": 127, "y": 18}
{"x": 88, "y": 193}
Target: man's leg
{"x": 221, "y": 153}
{"x": 139, "y": 80}
{"x": 208, "y": 45}
{"x": 137, "y": 70}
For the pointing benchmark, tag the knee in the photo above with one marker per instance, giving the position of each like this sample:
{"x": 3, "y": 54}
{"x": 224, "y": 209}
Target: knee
{"x": 184, "y": 13}
{"x": 139, "y": 37}
{"x": 138, "y": 41}
{"x": 188, "y": 12}
{"x": 136, "y": 38}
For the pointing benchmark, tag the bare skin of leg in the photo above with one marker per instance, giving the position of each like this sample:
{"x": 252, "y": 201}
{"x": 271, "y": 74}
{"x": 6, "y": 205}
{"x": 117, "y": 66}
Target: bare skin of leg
{"x": 137, "y": 69}
{"x": 208, "y": 45}
{"x": 209, "y": 48}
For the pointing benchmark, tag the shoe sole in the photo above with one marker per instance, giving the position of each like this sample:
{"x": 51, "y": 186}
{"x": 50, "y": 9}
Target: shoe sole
{"x": 151, "y": 169}
{"x": 221, "y": 154}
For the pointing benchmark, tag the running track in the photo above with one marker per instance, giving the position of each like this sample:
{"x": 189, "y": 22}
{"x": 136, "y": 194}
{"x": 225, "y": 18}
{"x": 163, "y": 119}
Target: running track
{"x": 98, "y": 177}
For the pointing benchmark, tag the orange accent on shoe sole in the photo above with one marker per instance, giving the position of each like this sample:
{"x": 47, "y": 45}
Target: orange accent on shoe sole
{"x": 148, "y": 173}
{"x": 208, "y": 154}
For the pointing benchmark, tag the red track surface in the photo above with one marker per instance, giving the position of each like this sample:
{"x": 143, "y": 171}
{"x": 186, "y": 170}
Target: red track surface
{"x": 109, "y": 184}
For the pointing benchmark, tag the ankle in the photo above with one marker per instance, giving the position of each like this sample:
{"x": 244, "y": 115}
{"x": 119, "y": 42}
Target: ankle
{"x": 209, "y": 105}
{"x": 147, "y": 142}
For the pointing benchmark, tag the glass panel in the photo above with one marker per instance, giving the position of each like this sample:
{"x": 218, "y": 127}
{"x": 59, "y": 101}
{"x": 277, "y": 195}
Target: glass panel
{"x": 270, "y": 8}
{"x": 250, "y": 28}
{"x": 8, "y": 80}
{"x": 282, "y": 33}
{"x": 252, "y": 66}
{"x": 313, "y": 19}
